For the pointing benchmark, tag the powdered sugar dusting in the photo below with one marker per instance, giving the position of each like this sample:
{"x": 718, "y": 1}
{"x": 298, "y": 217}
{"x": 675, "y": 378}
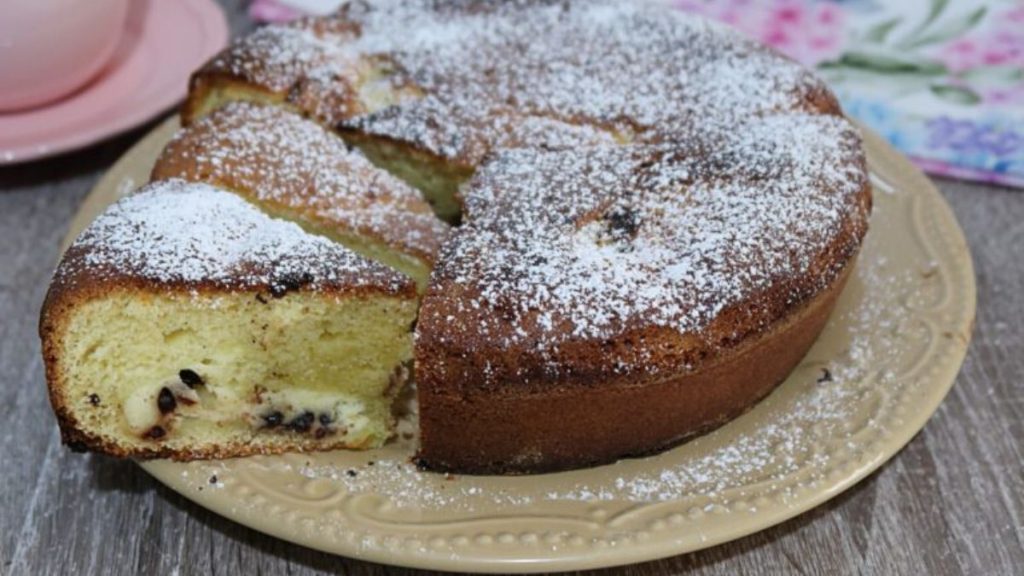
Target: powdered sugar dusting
{"x": 667, "y": 168}
{"x": 465, "y": 78}
{"x": 280, "y": 56}
{"x": 181, "y": 233}
{"x": 287, "y": 161}
{"x": 559, "y": 246}
{"x": 832, "y": 398}
{"x": 633, "y": 70}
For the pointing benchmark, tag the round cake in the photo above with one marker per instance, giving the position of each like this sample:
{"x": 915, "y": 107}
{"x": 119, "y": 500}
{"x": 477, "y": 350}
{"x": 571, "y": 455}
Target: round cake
{"x": 185, "y": 323}
{"x": 655, "y": 215}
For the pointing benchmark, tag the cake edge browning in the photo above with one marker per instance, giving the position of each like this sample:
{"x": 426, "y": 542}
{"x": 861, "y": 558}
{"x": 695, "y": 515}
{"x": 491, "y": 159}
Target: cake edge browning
{"x": 528, "y": 433}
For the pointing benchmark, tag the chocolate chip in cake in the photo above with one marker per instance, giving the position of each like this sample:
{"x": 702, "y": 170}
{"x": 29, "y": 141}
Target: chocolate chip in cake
{"x": 622, "y": 222}
{"x": 165, "y": 401}
{"x": 826, "y": 376}
{"x": 303, "y": 422}
{"x": 261, "y": 298}
{"x": 289, "y": 283}
{"x": 351, "y": 473}
{"x": 325, "y": 419}
{"x": 213, "y": 479}
{"x": 190, "y": 378}
{"x": 156, "y": 432}
{"x": 273, "y": 419}
{"x": 94, "y": 399}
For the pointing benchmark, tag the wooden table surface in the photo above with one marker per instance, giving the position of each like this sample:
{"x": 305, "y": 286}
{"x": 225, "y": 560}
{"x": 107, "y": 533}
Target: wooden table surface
{"x": 952, "y": 502}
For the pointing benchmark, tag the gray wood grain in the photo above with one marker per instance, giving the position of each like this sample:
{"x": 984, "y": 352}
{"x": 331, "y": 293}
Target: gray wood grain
{"x": 952, "y": 502}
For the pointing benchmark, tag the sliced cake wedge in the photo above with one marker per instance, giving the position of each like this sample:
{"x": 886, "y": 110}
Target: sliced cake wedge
{"x": 185, "y": 323}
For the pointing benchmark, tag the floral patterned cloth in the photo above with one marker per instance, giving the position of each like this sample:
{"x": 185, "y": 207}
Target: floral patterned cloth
{"x": 272, "y": 11}
{"x": 943, "y": 80}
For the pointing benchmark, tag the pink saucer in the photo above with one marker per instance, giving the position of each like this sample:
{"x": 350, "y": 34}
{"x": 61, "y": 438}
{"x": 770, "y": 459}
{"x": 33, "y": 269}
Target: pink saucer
{"x": 163, "y": 43}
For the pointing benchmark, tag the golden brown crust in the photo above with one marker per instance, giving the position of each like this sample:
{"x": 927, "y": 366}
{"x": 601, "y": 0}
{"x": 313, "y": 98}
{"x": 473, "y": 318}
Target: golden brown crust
{"x": 513, "y": 430}
{"x": 523, "y": 363}
{"x": 578, "y": 371}
{"x": 78, "y": 282}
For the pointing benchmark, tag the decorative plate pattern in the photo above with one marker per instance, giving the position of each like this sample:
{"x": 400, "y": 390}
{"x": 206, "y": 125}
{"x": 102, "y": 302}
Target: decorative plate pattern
{"x": 887, "y": 358}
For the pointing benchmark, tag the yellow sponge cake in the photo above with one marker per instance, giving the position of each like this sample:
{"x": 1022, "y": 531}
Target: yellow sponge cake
{"x": 185, "y": 323}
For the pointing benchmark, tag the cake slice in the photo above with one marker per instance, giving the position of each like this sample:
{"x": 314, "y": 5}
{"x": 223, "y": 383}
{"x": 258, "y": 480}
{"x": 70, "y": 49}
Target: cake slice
{"x": 185, "y": 323}
{"x": 293, "y": 168}
{"x": 308, "y": 66}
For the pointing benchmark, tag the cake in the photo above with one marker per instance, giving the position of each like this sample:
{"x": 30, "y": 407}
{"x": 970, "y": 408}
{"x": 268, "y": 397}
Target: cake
{"x": 293, "y": 168}
{"x": 609, "y": 302}
{"x": 428, "y": 89}
{"x": 185, "y": 323}
{"x": 655, "y": 215}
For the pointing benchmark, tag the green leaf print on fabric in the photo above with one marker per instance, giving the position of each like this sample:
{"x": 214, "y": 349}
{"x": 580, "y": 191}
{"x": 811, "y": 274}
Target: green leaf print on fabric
{"x": 946, "y": 32}
{"x": 879, "y": 32}
{"x": 888, "y": 61}
{"x": 956, "y": 94}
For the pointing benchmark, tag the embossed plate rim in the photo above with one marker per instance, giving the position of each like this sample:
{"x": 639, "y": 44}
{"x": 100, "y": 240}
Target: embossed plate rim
{"x": 502, "y": 551}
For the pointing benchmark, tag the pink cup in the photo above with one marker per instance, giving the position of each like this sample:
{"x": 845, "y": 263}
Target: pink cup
{"x": 49, "y": 48}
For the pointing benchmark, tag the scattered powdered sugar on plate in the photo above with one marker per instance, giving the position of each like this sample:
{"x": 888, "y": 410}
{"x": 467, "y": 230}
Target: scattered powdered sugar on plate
{"x": 808, "y": 428}
{"x": 125, "y": 187}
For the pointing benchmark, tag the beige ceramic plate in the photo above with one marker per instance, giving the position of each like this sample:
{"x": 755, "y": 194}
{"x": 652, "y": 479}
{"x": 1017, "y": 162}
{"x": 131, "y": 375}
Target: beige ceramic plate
{"x": 887, "y": 358}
